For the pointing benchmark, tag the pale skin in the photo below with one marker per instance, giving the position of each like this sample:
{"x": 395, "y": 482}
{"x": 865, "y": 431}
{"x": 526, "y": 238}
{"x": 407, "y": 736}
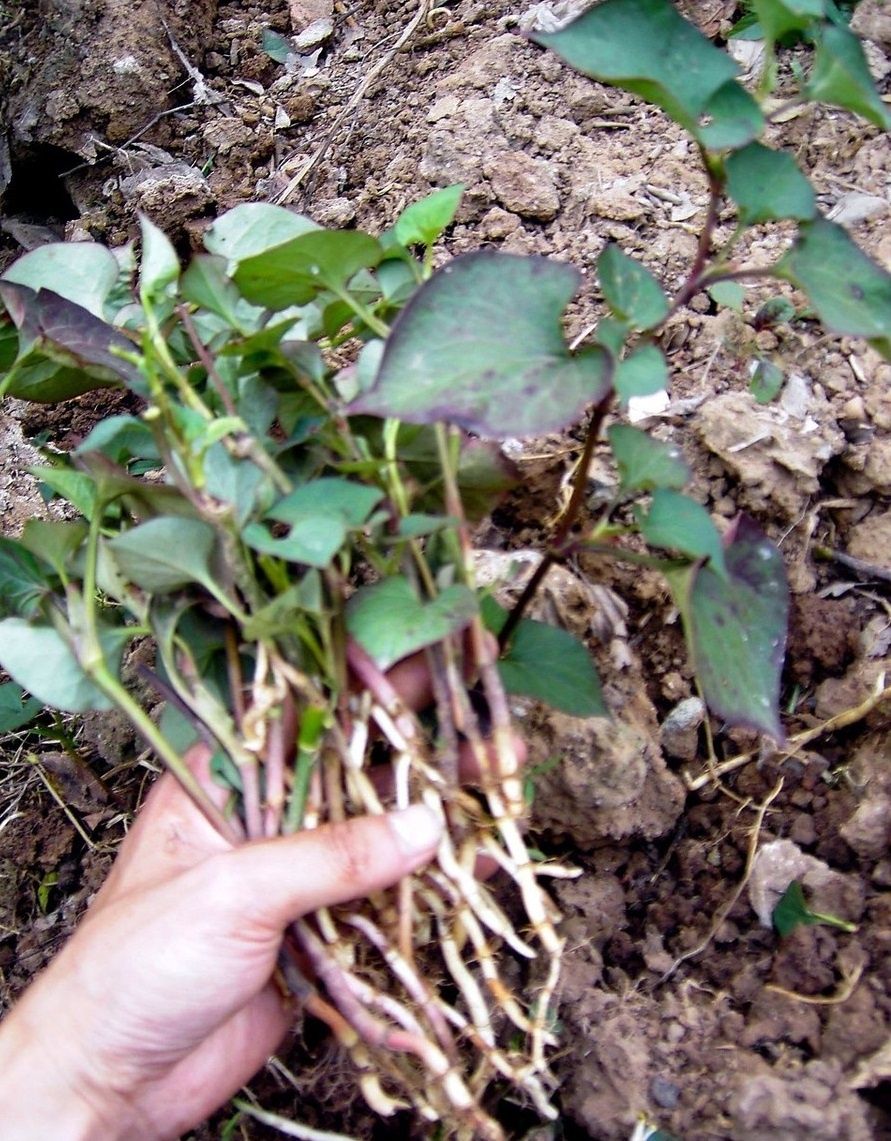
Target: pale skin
{"x": 162, "y": 1005}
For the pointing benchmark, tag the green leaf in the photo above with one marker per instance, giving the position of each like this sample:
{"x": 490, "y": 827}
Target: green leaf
{"x": 82, "y": 272}
{"x": 64, "y": 349}
{"x": 645, "y": 463}
{"x": 480, "y": 344}
{"x": 312, "y": 541}
{"x": 207, "y": 283}
{"x": 390, "y": 622}
{"x": 850, "y": 292}
{"x": 731, "y": 118}
{"x": 550, "y": 665}
{"x": 729, "y": 293}
{"x": 792, "y": 911}
{"x": 841, "y": 76}
{"x": 254, "y": 228}
{"x": 122, "y": 439}
{"x": 736, "y": 628}
{"x": 16, "y": 710}
{"x": 641, "y": 373}
{"x": 398, "y": 279}
{"x": 422, "y": 222}
{"x": 23, "y": 581}
{"x": 485, "y": 473}
{"x": 237, "y": 482}
{"x": 159, "y": 264}
{"x": 612, "y": 334}
{"x": 775, "y": 311}
{"x": 9, "y": 343}
{"x": 648, "y": 48}
{"x": 778, "y": 17}
{"x": 54, "y": 541}
{"x": 767, "y": 186}
{"x": 276, "y": 46}
{"x": 166, "y": 554}
{"x": 39, "y": 659}
{"x": 635, "y": 297}
{"x": 294, "y": 273}
{"x": 416, "y": 526}
{"x": 75, "y": 486}
{"x": 350, "y": 503}
{"x": 767, "y": 382}
{"x": 676, "y": 522}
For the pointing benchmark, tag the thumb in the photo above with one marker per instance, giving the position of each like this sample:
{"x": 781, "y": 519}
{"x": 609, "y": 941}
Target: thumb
{"x": 281, "y": 879}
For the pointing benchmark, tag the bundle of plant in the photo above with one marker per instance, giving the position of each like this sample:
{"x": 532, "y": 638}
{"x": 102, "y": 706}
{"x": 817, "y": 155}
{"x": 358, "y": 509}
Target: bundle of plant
{"x": 289, "y": 518}
{"x": 282, "y": 555}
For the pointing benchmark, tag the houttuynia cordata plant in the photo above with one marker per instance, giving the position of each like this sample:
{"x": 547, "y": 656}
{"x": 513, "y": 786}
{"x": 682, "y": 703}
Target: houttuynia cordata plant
{"x": 290, "y": 515}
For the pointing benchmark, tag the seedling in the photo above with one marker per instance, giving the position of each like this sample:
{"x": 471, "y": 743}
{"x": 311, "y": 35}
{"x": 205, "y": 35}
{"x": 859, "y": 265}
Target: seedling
{"x": 792, "y": 911}
{"x": 290, "y": 515}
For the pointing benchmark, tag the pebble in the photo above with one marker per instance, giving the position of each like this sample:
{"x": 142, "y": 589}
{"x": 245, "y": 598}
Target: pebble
{"x": 664, "y": 1092}
{"x": 679, "y": 733}
{"x": 524, "y": 185}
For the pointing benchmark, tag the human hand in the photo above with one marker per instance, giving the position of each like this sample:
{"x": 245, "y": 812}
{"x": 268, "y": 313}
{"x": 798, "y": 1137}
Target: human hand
{"x": 162, "y": 1004}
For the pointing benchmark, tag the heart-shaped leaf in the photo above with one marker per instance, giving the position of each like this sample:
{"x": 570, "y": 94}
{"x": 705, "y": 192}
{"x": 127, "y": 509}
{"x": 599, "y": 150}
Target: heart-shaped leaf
{"x": 778, "y": 17}
{"x": 293, "y": 273}
{"x": 731, "y": 117}
{"x": 549, "y": 664}
{"x": 641, "y": 373}
{"x": 159, "y": 264}
{"x": 736, "y": 628}
{"x": 81, "y": 272}
{"x": 841, "y": 76}
{"x": 351, "y": 503}
{"x": 64, "y": 349}
{"x": 766, "y": 185}
{"x": 635, "y": 297}
{"x": 646, "y": 463}
{"x": 166, "y": 554}
{"x": 23, "y": 580}
{"x": 253, "y": 228}
{"x": 677, "y": 523}
{"x": 422, "y": 222}
{"x": 647, "y": 47}
{"x": 480, "y": 345}
{"x": 850, "y": 292}
{"x": 389, "y": 621}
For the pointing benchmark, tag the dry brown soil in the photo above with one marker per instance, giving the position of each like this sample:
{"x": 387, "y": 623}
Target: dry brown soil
{"x": 679, "y": 1001}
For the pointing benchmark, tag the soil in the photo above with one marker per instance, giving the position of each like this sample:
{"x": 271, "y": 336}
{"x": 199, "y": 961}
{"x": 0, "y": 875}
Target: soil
{"x": 679, "y": 1001}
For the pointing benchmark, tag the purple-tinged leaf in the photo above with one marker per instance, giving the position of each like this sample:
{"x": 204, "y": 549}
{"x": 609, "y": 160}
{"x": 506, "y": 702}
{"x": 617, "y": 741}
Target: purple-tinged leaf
{"x": 480, "y": 345}
{"x": 83, "y": 347}
{"x": 736, "y": 628}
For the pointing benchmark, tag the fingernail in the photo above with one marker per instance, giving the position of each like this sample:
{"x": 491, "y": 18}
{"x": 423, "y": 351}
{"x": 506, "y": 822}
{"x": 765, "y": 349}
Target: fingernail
{"x": 418, "y": 828}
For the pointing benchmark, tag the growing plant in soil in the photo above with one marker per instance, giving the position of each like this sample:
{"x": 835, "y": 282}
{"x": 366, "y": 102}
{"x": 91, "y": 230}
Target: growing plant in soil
{"x": 292, "y": 513}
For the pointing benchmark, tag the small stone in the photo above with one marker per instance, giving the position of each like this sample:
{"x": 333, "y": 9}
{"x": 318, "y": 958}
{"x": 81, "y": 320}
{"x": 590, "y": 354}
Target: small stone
{"x": 498, "y": 223}
{"x": 524, "y": 185}
{"x": 664, "y": 1092}
{"x": 868, "y": 831}
{"x": 313, "y": 36}
{"x": 803, "y": 831}
{"x": 679, "y": 733}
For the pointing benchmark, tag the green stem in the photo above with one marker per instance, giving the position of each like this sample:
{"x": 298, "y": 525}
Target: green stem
{"x": 374, "y": 323}
{"x": 92, "y": 660}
